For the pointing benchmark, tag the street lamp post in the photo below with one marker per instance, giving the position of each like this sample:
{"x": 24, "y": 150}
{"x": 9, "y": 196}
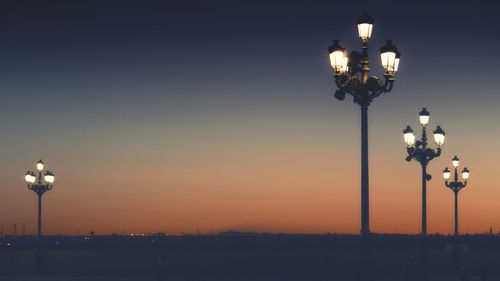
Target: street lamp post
{"x": 417, "y": 150}
{"x": 351, "y": 71}
{"x": 456, "y": 185}
{"x": 39, "y": 184}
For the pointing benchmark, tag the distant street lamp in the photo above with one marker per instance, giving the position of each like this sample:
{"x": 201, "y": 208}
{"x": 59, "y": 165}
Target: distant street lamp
{"x": 456, "y": 185}
{"x": 351, "y": 71}
{"x": 39, "y": 185}
{"x": 417, "y": 150}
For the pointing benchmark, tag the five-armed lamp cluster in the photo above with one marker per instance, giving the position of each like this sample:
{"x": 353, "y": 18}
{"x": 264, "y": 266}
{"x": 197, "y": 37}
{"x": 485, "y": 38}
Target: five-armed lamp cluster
{"x": 351, "y": 71}
{"x": 39, "y": 183}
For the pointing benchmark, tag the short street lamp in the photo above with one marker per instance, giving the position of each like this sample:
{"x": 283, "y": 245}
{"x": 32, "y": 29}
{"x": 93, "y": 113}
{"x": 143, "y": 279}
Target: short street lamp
{"x": 456, "y": 185}
{"x": 417, "y": 150}
{"x": 351, "y": 71}
{"x": 39, "y": 184}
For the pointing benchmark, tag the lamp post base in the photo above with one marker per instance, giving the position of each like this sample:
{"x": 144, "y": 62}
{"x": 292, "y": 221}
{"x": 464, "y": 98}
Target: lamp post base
{"x": 456, "y": 261}
{"x": 364, "y": 269}
{"x": 425, "y": 266}
{"x": 41, "y": 263}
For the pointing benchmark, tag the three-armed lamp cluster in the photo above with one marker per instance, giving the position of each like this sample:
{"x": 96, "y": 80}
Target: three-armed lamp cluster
{"x": 39, "y": 183}
{"x": 351, "y": 71}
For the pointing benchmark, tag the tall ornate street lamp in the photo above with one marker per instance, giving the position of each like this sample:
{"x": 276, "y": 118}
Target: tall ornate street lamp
{"x": 39, "y": 184}
{"x": 456, "y": 185}
{"x": 417, "y": 150}
{"x": 351, "y": 71}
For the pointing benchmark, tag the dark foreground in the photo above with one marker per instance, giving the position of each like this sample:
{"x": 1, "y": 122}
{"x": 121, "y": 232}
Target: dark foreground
{"x": 69, "y": 278}
{"x": 235, "y": 257}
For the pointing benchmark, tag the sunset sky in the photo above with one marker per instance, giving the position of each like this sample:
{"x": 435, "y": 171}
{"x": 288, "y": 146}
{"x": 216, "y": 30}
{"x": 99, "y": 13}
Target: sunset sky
{"x": 204, "y": 115}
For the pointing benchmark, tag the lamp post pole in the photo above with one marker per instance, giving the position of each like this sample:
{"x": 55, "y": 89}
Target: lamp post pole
{"x": 419, "y": 151}
{"x": 39, "y": 232}
{"x": 365, "y": 199}
{"x": 351, "y": 71}
{"x": 456, "y": 185}
{"x": 39, "y": 183}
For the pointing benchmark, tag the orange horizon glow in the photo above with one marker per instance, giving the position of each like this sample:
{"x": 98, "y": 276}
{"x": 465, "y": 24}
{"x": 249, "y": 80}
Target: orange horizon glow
{"x": 258, "y": 185}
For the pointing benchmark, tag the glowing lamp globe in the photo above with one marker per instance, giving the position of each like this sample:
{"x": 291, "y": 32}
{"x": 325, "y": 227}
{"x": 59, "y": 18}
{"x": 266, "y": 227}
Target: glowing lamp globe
{"x": 409, "y": 136}
{"x": 439, "y": 136}
{"x": 455, "y": 161}
{"x": 424, "y": 117}
{"x": 39, "y": 165}
{"x": 465, "y": 174}
{"x": 388, "y": 54}
{"x": 446, "y": 174}
{"x": 29, "y": 177}
{"x": 339, "y": 58}
{"x": 365, "y": 27}
{"x": 49, "y": 177}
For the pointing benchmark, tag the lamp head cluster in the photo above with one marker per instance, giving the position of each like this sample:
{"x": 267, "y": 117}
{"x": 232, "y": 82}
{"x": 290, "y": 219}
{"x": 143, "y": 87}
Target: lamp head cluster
{"x": 456, "y": 162}
{"x": 456, "y": 184}
{"x": 417, "y": 149}
{"x": 389, "y": 54}
{"x": 41, "y": 181}
{"x": 347, "y": 65}
{"x": 424, "y": 117}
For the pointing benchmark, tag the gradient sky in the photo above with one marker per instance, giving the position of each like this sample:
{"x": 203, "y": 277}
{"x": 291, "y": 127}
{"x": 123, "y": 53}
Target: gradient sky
{"x": 215, "y": 115}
